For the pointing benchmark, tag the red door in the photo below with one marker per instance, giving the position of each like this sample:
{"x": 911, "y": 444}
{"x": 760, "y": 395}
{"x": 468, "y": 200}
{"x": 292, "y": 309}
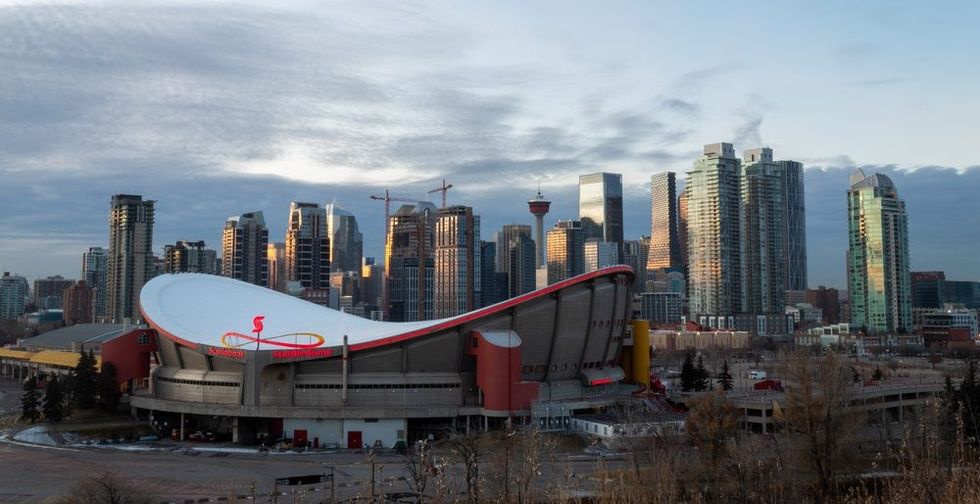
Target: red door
{"x": 354, "y": 440}
{"x": 299, "y": 437}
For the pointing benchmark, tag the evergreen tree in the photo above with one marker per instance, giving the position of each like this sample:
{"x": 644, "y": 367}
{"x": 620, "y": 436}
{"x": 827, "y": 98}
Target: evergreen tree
{"x": 703, "y": 379}
{"x": 108, "y": 389}
{"x": 30, "y": 401}
{"x": 85, "y": 381}
{"x": 53, "y": 401}
{"x": 688, "y": 375}
{"x": 725, "y": 378}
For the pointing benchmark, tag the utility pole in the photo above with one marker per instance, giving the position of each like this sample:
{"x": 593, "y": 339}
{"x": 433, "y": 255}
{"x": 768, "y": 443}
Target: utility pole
{"x": 443, "y": 189}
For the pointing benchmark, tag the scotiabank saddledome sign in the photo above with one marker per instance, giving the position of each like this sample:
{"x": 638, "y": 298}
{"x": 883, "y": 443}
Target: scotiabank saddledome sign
{"x": 297, "y": 345}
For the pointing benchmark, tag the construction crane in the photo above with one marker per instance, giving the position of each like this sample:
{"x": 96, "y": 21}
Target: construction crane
{"x": 443, "y": 188}
{"x": 388, "y": 198}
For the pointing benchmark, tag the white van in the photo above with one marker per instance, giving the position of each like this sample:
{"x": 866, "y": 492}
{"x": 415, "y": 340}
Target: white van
{"x": 757, "y": 374}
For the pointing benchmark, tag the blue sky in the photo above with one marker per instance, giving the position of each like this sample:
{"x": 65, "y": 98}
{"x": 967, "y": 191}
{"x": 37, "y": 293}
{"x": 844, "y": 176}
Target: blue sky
{"x": 214, "y": 109}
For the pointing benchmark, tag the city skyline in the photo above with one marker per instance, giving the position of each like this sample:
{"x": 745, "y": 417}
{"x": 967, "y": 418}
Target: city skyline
{"x": 120, "y": 100}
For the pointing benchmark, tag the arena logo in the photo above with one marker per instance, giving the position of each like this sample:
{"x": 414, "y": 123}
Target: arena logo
{"x": 230, "y": 353}
{"x": 300, "y": 340}
{"x": 302, "y": 353}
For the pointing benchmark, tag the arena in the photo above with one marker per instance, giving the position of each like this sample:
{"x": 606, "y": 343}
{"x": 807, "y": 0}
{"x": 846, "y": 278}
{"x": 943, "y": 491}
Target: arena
{"x": 252, "y": 364}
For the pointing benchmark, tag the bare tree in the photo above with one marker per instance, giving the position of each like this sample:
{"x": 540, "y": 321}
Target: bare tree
{"x": 469, "y": 450}
{"x": 420, "y": 468}
{"x": 818, "y": 396}
{"x": 105, "y": 488}
{"x": 711, "y": 425}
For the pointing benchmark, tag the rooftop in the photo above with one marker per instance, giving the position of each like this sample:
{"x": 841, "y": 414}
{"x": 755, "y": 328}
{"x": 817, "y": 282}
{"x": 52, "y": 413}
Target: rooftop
{"x": 81, "y": 334}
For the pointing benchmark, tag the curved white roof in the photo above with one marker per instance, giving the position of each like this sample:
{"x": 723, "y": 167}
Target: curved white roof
{"x": 196, "y": 309}
{"x": 203, "y": 309}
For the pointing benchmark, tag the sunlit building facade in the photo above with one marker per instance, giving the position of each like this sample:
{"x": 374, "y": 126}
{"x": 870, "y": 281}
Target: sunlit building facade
{"x": 245, "y": 248}
{"x": 600, "y": 207}
{"x": 879, "y": 284}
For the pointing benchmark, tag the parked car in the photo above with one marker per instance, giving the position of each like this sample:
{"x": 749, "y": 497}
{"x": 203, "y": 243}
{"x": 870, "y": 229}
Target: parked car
{"x": 757, "y": 374}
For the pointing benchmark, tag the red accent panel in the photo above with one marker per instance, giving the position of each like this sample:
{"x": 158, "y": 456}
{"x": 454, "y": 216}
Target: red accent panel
{"x": 131, "y": 359}
{"x": 495, "y": 309}
{"x": 498, "y": 374}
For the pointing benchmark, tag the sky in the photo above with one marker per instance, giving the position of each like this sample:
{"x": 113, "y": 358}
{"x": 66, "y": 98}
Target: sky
{"x": 214, "y": 109}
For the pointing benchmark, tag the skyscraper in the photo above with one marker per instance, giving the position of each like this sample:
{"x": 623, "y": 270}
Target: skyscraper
{"x": 13, "y": 295}
{"x": 244, "y": 249}
{"x": 599, "y": 254}
{"x": 796, "y": 278}
{"x": 94, "y": 265}
{"x": 521, "y": 252}
{"x": 346, "y": 241}
{"x": 510, "y": 236}
{"x": 665, "y": 251}
{"x": 488, "y": 274}
{"x": 714, "y": 237}
{"x": 189, "y": 257}
{"x": 878, "y": 277}
{"x": 566, "y": 251}
{"x": 457, "y": 261}
{"x": 636, "y": 256}
{"x": 409, "y": 263}
{"x": 682, "y": 227}
{"x": 276, "y": 261}
{"x": 307, "y": 246}
{"x": 763, "y": 233}
{"x": 600, "y": 207}
{"x": 130, "y": 261}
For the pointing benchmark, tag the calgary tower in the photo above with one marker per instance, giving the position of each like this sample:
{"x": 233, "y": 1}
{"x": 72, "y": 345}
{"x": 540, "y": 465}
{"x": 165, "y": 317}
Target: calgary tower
{"x": 539, "y": 207}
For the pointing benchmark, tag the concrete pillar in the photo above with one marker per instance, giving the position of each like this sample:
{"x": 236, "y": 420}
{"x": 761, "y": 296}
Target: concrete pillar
{"x": 181, "y": 426}
{"x": 234, "y": 430}
{"x": 467, "y": 425}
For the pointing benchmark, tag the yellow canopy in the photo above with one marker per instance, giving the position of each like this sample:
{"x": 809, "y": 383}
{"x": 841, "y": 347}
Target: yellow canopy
{"x": 59, "y": 358}
{"x": 15, "y": 354}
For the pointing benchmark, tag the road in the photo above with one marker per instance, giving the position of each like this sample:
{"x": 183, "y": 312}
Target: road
{"x": 30, "y": 473}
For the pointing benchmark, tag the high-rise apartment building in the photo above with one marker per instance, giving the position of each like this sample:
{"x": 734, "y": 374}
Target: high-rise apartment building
{"x": 682, "y": 227}
{"x": 307, "y": 246}
{"x": 714, "y": 237}
{"x": 79, "y": 303}
{"x": 665, "y": 250}
{"x": 276, "y": 266}
{"x": 245, "y": 249}
{"x": 130, "y": 261}
{"x": 409, "y": 263}
{"x": 48, "y": 292}
{"x": 764, "y": 239}
{"x": 510, "y": 236}
{"x": 13, "y": 296}
{"x": 599, "y": 254}
{"x": 600, "y": 207}
{"x": 457, "y": 261}
{"x": 94, "y": 265}
{"x": 878, "y": 277}
{"x": 796, "y": 276}
{"x": 566, "y": 251}
{"x": 346, "y": 241}
{"x": 189, "y": 257}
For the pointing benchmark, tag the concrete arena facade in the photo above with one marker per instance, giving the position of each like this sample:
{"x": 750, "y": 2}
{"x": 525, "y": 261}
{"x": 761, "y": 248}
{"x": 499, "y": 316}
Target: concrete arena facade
{"x": 541, "y": 355}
